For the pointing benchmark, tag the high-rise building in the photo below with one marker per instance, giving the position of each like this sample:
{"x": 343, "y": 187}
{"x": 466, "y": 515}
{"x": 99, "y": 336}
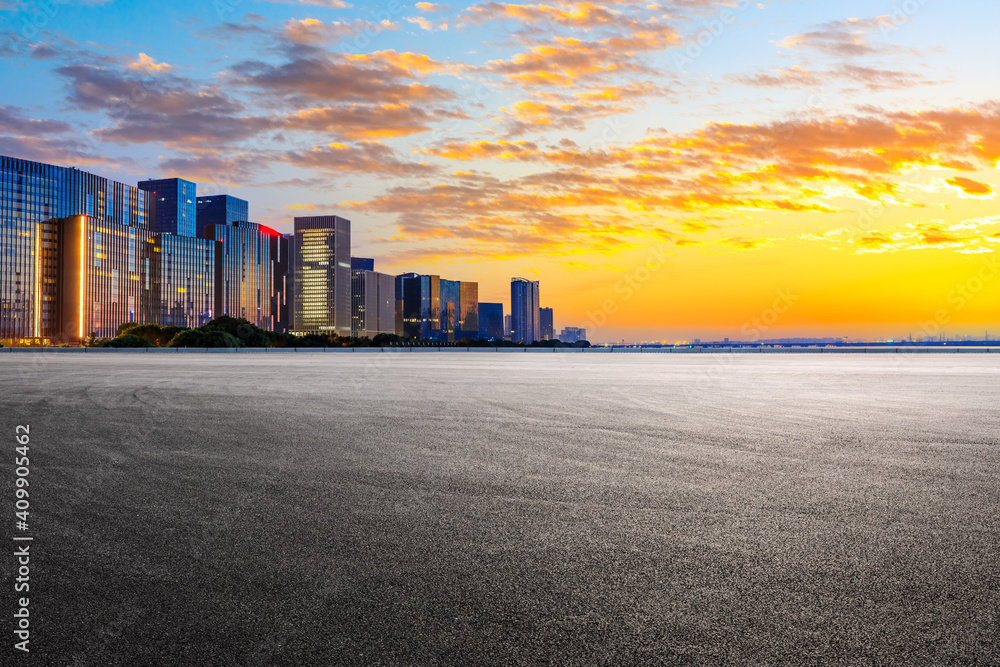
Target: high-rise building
{"x": 182, "y": 280}
{"x": 34, "y": 198}
{"x": 524, "y": 310}
{"x": 546, "y": 331}
{"x": 506, "y": 327}
{"x": 323, "y": 275}
{"x": 105, "y": 278}
{"x": 220, "y": 210}
{"x": 451, "y": 300}
{"x": 246, "y": 271}
{"x": 281, "y": 299}
{"x": 290, "y": 283}
{"x": 399, "y": 301}
{"x": 438, "y": 309}
{"x": 468, "y": 313}
{"x": 422, "y": 307}
{"x": 491, "y": 321}
{"x": 573, "y": 335}
{"x": 174, "y": 206}
{"x": 362, "y": 264}
{"x": 373, "y": 303}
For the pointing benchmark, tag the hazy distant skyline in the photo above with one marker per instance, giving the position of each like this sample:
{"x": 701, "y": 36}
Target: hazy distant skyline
{"x": 678, "y": 169}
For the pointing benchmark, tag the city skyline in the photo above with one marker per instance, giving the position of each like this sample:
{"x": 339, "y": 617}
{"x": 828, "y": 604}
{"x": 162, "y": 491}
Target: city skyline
{"x": 82, "y": 256}
{"x": 672, "y": 171}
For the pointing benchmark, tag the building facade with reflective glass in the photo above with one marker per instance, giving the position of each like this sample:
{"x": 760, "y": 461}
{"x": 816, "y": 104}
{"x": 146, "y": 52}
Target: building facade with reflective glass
{"x": 545, "y": 328}
{"x": 399, "y": 301}
{"x": 105, "y": 276}
{"x": 281, "y": 297}
{"x": 182, "y": 273}
{"x": 220, "y": 210}
{"x": 459, "y": 310}
{"x": 422, "y": 307}
{"x": 451, "y": 303}
{"x": 468, "y": 313}
{"x": 322, "y": 253}
{"x": 174, "y": 206}
{"x": 435, "y": 308}
{"x": 246, "y": 271}
{"x": 524, "y": 315}
{"x": 373, "y": 303}
{"x": 34, "y": 198}
{"x": 491, "y": 321}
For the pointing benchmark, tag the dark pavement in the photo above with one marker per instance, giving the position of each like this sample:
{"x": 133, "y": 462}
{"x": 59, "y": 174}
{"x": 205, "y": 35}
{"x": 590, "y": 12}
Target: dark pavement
{"x": 508, "y": 509}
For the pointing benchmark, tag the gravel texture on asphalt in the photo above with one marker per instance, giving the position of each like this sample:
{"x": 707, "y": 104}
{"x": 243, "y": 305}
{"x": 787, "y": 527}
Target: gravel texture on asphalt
{"x": 446, "y": 509}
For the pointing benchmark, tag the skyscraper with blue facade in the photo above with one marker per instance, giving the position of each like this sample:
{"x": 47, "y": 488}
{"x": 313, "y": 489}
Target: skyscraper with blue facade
{"x": 220, "y": 210}
{"x": 34, "y": 200}
{"x": 491, "y": 321}
{"x": 246, "y": 267}
{"x": 174, "y": 206}
{"x": 524, "y": 311}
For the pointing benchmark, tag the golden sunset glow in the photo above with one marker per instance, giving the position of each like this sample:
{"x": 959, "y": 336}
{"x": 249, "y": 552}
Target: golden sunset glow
{"x": 666, "y": 170}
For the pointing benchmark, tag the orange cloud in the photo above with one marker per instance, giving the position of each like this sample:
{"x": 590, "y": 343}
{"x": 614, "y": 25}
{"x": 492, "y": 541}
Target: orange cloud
{"x": 969, "y": 186}
{"x": 564, "y": 61}
{"x": 149, "y": 65}
{"x": 717, "y": 172}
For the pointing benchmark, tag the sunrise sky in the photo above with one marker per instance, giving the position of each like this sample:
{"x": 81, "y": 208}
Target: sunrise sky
{"x": 668, "y": 170}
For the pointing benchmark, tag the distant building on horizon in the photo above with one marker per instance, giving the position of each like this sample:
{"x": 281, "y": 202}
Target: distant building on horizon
{"x": 545, "y": 324}
{"x": 572, "y": 335}
{"x": 491, "y": 321}
{"x": 322, "y": 275}
{"x": 362, "y": 264}
{"x": 524, "y": 310}
{"x": 506, "y": 327}
{"x": 220, "y": 210}
{"x": 174, "y": 205}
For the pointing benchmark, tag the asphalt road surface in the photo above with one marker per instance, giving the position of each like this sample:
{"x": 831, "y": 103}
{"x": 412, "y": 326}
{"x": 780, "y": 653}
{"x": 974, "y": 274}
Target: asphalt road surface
{"x": 319, "y": 509}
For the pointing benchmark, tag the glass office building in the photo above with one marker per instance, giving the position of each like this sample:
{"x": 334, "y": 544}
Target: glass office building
{"x": 373, "y": 303}
{"x": 281, "y": 297}
{"x": 459, "y": 310}
{"x": 34, "y": 198}
{"x": 174, "y": 205}
{"x": 399, "y": 301}
{"x": 182, "y": 280}
{"x": 362, "y": 264}
{"x": 105, "y": 278}
{"x": 545, "y": 328}
{"x": 422, "y": 307}
{"x": 435, "y": 308}
{"x": 468, "y": 314}
{"x": 451, "y": 304}
{"x": 220, "y": 210}
{"x": 491, "y": 321}
{"x": 524, "y": 315}
{"x": 322, "y": 275}
{"x": 245, "y": 271}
